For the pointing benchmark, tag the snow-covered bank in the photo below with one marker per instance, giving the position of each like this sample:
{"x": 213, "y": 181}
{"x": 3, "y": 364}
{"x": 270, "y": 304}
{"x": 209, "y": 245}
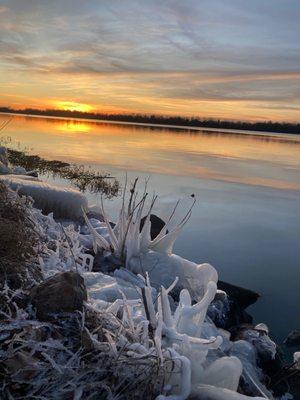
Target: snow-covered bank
{"x": 144, "y": 331}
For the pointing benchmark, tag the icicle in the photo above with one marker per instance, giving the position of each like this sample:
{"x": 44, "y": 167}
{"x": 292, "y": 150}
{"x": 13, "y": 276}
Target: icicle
{"x": 158, "y": 331}
{"x": 167, "y": 315}
{"x": 113, "y": 239}
{"x": 97, "y": 238}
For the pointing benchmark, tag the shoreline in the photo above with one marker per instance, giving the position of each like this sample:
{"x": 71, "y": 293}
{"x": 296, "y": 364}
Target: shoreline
{"x": 286, "y": 136}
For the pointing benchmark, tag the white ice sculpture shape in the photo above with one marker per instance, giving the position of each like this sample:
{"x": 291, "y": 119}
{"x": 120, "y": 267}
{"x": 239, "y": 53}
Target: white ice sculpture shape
{"x": 173, "y": 338}
{"x": 140, "y": 254}
{"x": 125, "y": 239}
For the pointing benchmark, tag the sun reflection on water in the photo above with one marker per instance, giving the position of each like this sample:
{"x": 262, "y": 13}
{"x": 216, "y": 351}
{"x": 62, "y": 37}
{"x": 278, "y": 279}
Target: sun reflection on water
{"x": 69, "y": 126}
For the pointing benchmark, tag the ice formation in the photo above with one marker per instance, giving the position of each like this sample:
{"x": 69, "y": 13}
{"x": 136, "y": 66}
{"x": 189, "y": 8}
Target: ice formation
{"x": 63, "y": 202}
{"x": 208, "y": 370}
{"x": 195, "y": 357}
{"x": 140, "y": 254}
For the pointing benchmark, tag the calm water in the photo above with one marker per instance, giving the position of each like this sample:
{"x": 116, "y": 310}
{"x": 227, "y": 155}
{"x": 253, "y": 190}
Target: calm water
{"x": 247, "y": 218}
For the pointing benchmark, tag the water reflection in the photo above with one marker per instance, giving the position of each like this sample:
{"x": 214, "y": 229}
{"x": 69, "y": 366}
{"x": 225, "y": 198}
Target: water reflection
{"x": 252, "y": 160}
{"x": 73, "y": 127}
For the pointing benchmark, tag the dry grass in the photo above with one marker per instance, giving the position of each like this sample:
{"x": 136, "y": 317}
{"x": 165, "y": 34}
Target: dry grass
{"x": 18, "y": 240}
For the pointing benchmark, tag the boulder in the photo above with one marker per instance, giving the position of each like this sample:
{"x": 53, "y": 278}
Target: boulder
{"x": 156, "y": 225}
{"x": 62, "y": 292}
{"x": 228, "y": 307}
{"x": 293, "y": 338}
{"x": 244, "y": 297}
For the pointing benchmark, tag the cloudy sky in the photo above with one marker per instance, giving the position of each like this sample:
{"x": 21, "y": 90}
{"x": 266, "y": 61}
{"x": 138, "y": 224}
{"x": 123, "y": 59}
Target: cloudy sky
{"x": 235, "y": 59}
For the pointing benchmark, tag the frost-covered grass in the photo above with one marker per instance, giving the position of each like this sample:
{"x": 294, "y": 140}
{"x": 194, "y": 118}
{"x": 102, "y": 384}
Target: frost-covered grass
{"x": 79, "y": 356}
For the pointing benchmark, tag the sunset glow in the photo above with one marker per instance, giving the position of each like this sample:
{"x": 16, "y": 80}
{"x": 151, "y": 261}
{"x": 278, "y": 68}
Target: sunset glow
{"x": 72, "y": 106}
{"x": 215, "y": 59}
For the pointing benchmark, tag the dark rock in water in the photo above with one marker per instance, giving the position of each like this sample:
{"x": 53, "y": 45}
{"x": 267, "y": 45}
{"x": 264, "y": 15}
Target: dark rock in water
{"x": 244, "y": 297}
{"x": 258, "y": 336}
{"x": 228, "y": 307}
{"x": 156, "y": 225}
{"x": 293, "y": 338}
{"x": 63, "y": 292}
{"x": 226, "y": 312}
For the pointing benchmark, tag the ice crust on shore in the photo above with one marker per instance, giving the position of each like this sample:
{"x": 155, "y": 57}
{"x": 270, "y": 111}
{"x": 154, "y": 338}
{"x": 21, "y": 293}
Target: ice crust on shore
{"x": 63, "y": 202}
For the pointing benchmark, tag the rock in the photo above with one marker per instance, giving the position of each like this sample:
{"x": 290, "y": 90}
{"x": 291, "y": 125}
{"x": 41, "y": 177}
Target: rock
{"x": 269, "y": 357}
{"x": 226, "y": 311}
{"x": 266, "y": 349}
{"x": 221, "y": 296}
{"x": 63, "y": 292}
{"x": 293, "y": 338}
{"x": 156, "y": 225}
{"x": 244, "y": 297}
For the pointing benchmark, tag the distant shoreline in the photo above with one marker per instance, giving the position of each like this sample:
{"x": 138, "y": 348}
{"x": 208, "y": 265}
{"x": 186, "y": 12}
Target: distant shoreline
{"x": 204, "y": 129}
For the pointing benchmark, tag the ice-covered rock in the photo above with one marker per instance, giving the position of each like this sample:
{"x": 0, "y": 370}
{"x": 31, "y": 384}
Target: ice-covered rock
{"x": 164, "y": 268}
{"x": 108, "y": 288}
{"x": 63, "y": 202}
{"x": 258, "y": 337}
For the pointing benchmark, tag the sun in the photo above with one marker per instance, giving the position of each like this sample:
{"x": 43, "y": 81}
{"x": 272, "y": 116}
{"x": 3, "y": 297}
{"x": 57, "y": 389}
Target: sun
{"x": 73, "y": 106}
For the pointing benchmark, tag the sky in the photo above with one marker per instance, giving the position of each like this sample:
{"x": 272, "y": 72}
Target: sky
{"x": 228, "y": 59}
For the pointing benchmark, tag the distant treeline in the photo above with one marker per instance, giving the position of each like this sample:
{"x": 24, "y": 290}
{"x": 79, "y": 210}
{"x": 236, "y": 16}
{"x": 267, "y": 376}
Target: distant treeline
{"x": 266, "y": 126}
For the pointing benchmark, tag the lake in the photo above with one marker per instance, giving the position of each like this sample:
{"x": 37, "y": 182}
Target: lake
{"x": 246, "y": 221}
